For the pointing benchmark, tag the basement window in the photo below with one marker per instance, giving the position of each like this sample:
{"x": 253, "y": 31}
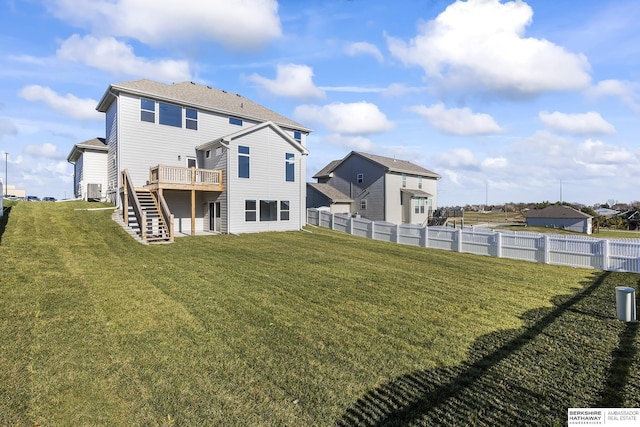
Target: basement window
{"x": 249, "y": 210}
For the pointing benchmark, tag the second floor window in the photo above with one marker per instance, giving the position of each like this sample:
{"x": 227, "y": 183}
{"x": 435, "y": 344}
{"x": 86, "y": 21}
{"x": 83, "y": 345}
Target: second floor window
{"x": 243, "y": 162}
{"x": 170, "y": 115}
{"x": 191, "y": 118}
{"x": 147, "y": 110}
{"x": 290, "y": 164}
{"x": 419, "y": 182}
{"x": 360, "y": 178}
{"x": 235, "y": 121}
{"x": 404, "y": 180}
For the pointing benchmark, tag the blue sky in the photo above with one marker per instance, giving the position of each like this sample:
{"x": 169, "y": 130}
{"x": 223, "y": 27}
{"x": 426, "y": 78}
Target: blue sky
{"x": 510, "y": 101}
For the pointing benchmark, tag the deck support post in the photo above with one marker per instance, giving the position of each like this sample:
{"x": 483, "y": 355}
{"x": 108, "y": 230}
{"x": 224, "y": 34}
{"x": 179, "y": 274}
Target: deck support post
{"x": 193, "y": 212}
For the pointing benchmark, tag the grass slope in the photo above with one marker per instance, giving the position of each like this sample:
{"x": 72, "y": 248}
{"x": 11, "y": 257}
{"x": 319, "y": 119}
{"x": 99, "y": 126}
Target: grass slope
{"x": 294, "y": 329}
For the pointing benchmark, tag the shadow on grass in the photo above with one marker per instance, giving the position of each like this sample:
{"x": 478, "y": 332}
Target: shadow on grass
{"x": 574, "y": 354}
{"x": 4, "y": 219}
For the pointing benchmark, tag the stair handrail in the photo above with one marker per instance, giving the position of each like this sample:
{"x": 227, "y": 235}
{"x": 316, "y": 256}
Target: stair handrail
{"x": 166, "y": 214}
{"x": 130, "y": 194}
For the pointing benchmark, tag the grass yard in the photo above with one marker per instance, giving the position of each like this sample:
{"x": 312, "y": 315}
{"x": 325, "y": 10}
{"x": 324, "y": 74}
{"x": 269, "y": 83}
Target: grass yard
{"x": 294, "y": 329}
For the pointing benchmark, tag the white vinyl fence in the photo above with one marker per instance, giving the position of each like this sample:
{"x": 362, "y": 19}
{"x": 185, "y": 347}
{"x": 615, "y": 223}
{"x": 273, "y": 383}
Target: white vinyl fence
{"x": 575, "y": 251}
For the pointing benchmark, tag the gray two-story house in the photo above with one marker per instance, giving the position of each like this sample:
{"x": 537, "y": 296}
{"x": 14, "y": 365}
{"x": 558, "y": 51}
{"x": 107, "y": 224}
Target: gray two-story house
{"x": 186, "y": 158}
{"x": 377, "y": 188}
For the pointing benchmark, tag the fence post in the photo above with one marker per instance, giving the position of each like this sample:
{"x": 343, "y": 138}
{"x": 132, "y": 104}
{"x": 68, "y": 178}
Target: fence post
{"x": 459, "y": 239}
{"x": 333, "y": 222}
{"x": 499, "y": 245}
{"x": 546, "y": 246}
{"x": 373, "y": 230}
{"x": 350, "y": 227}
{"x": 605, "y": 254}
{"x": 397, "y": 233}
{"x": 425, "y": 237}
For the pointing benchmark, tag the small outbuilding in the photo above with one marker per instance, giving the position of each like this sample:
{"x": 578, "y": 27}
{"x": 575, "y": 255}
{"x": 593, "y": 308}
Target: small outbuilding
{"x": 562, "y": 217}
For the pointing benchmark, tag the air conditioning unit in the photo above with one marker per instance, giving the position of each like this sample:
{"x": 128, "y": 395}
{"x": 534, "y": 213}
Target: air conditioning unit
{"x": 94, "y": 192}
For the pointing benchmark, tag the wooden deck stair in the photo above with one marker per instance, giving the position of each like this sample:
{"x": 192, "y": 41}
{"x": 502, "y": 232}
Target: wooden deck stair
{"x": 156, "y": 228}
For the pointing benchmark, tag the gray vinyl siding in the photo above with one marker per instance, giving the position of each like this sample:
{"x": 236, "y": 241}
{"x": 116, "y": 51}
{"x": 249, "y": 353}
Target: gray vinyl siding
{"x": 403, "y": 213}
{"x": 111, "y": 135}
{"x": 150, "y": 144}
{"x": 316, "y": 199}
{"x": 372, "y": 187}
{"x": 217, "y": 162}
{"x": 266, "y": 182}
{"x": 94, "y": 166}
{"x": 77, "y": 177}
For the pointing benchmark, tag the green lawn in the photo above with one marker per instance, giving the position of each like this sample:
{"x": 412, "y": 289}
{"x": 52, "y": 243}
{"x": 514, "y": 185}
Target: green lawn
{"x": 294, "y": 329}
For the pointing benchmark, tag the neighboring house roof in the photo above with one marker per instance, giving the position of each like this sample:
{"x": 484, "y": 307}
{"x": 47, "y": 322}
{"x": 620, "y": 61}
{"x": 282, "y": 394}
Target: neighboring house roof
{"x": 95, "y": 144}
{"x": 605, "y": 211}
{"x": 228, "y": 138}
{"x": 390, "y": 165}
{"x": 326, "y": 171}
{"x": 200, "y": 97}
{"x": 416, "y": 193}
{"x": 556, "y": 211}
{"x": 331, "y": 193}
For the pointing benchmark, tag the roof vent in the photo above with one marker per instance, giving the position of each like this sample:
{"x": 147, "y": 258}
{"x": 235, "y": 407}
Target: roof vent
{"x": 224, "y": 91}
{"x": 192, "y": 83}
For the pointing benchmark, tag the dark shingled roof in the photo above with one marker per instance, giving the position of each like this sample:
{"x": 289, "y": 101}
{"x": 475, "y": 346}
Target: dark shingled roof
{"x": 400, "y": 166}
{"x": 326, "y": 171}
{"x": 334, "y": 195}
{"x": 202, "y": 97}
{"x": 556, "y": 211}
{"x": 390, "y": 164}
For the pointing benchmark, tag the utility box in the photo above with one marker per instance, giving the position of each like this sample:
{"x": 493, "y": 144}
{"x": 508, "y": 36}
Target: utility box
{"x": 94, "y": 192}
{"x": 626, "y": 303}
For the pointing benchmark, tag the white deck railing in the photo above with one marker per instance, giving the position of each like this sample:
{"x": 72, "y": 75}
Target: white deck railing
{"x": 184, "y": 176}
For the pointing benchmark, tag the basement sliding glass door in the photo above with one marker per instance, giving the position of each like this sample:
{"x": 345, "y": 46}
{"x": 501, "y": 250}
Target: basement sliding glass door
{"x": 214, "y": 216}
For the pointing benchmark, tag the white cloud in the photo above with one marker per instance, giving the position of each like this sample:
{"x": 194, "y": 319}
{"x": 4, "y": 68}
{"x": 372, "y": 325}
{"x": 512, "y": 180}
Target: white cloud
{"x": 358, "y": 48}
{"x": 346, "y": 118}
{"x": 599, "y": 153}
{"x": 236, "y": 24}
{"x": 626, "y": 91}
{"x": 46, "y": 150}
{"x": 358, "y": 143}
{"x": 457, "y": 121}
{"x": 116, "y": 57}
{"x": 495, "y": 163}
{"x": 480, "y": 44}
{"x": 69, "y": 104}
{"x": 458, "y": 158}
{"x": 578, "y": 124}
{"x": 292, "y": 80}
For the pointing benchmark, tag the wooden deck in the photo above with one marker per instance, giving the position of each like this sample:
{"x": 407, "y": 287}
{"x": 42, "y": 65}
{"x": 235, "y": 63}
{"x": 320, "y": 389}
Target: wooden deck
{"x": 179, "y": 178}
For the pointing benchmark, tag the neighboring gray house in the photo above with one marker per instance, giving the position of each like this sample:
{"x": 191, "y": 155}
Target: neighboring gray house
{"x": 382, "y": 188}
{"x": 562, "y": 217}
{"x": 202, "y": 159}
{"x": 89, "y": 160}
